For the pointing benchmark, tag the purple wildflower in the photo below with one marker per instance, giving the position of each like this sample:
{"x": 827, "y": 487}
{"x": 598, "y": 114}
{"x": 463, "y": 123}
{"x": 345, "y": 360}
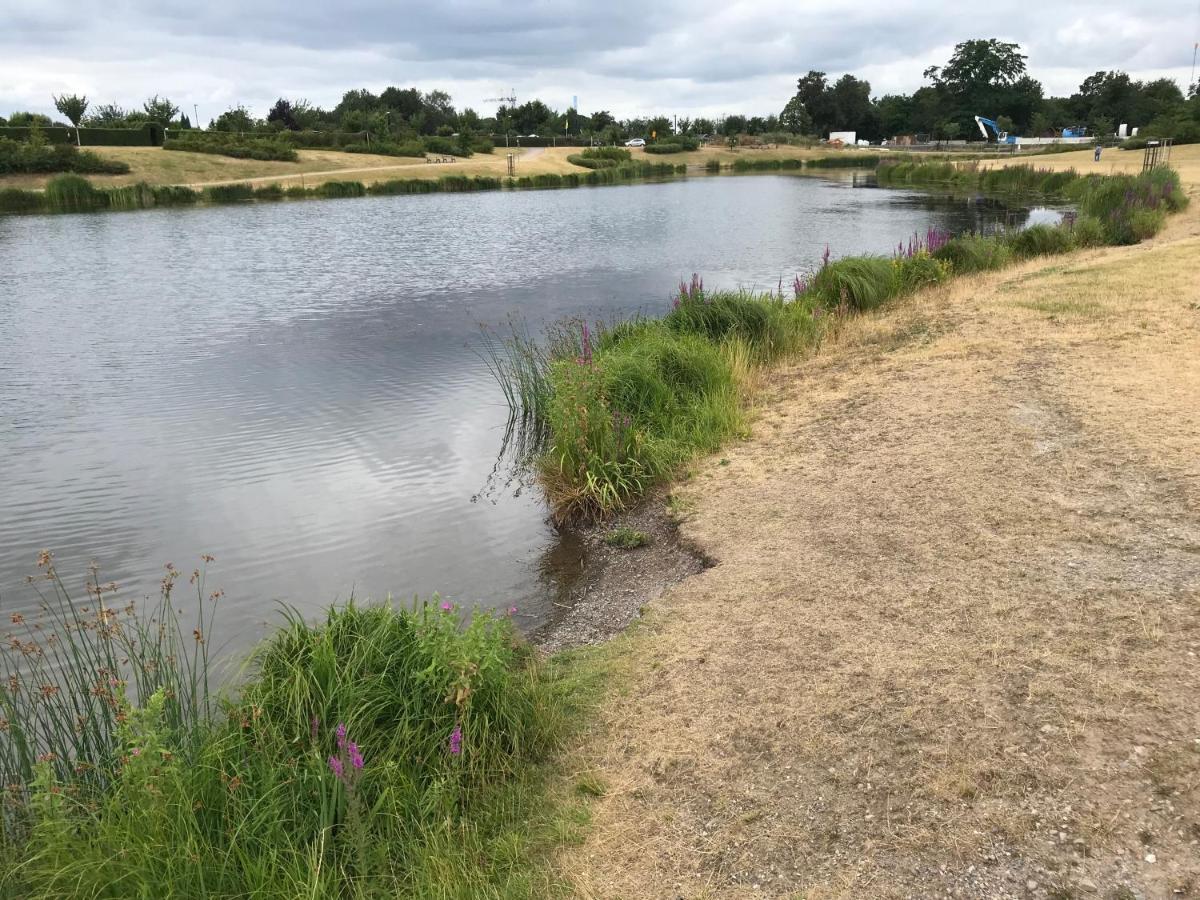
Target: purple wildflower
{"x": 512, "y": 610}
{"x": 341, "y": 735}
{"x": 447, "y": 606}
{"x": 336, "y": 767}
{"x": 825, "y": 257}
{"x": 356, "y": 758}
{"x": 799, "y": 286}
{"x": 456, "y": 740}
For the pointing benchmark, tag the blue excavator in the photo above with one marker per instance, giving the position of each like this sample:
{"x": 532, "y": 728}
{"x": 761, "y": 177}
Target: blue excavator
{"x": 1002, "y": 137}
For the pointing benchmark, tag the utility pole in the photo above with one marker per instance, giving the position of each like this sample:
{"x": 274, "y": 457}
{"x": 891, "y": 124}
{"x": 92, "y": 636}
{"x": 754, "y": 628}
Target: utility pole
{"x": 196, "y": 113}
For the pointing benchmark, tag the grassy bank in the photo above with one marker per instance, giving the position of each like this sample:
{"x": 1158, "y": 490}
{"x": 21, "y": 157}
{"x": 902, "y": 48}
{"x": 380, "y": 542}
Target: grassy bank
{"x": 625, "y": 405}
{"x": 385, "y": 751}
{"x": 71, "y": 194}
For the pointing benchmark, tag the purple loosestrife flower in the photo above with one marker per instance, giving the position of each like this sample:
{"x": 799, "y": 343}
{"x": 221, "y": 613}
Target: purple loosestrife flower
{"x": 356, "y": 758}
{"x": 341, "y": 735}
{"x": 336, "y": 767}
{"x": 447, "y": 606}
{"x": 456, "y": 740}
{"x": 825, "y": 257}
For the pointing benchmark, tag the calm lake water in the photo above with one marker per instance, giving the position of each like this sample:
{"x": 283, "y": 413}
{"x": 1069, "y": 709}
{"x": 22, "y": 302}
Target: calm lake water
{"x": 296, "y": 388}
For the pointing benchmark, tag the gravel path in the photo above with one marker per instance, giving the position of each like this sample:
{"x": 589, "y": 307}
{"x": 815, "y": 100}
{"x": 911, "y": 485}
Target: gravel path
{"x": 949, "y": 645}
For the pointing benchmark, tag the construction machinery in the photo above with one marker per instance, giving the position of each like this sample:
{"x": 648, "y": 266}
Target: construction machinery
{"x": 1002, "y": 137}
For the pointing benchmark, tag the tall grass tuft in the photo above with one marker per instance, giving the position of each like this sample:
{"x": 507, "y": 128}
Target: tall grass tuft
{"x": 17, "y": 200}
{"x": 857, "y": 282}
{"x": 72, "y": 670}
{"x": 340, "y": 189}
{"x": 73, "y": 193}
{"x": 382, "y": 752}
{"x": 229, "y": 193}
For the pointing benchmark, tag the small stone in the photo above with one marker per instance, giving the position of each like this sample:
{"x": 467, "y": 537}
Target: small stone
{"x": 1031, "y": 885}
{"x": 1151, "y": 858}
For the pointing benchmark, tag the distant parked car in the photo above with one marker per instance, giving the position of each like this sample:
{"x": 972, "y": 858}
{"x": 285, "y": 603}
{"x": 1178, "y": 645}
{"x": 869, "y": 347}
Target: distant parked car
{"x": 531, "y": 135}
{"x": 636, "y": 142}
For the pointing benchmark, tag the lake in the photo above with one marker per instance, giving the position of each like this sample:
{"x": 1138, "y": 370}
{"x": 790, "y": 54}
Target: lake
{"x": 297, "y": 388}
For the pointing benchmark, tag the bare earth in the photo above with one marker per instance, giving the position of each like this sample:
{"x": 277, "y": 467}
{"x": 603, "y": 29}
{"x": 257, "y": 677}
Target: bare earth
{"x": 950, "y": 643}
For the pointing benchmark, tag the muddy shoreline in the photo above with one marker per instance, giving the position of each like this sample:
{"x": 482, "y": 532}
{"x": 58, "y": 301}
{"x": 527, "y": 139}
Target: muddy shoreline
{"x": 611, "y": 586}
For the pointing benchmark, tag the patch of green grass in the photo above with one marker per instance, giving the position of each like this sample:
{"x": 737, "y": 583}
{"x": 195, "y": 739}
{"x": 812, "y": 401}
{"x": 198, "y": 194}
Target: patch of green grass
{"x": 384, "y": 751}
{"x": 591, "y": 786}
{"x": 1083, "y": 309}
{"x": 626, "y": 538}
{"x": 858, "y": 282}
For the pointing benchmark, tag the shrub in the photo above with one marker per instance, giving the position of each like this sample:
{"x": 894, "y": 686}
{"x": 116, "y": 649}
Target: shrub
{"x": 1088, "y": 231}
{"x": 269, "y": 192}
{"x": 755, "y": 165}
{"x": 862, "y": 282}
{"x": 763, "y": 323}
{"x": 234, "y": 146}
{"x": 404, "y": 186}
{"x": 383, "y": 746}
{"x": 974, "y": 253}
{"x": 17, "y": 200}
{"x": 578, "y": 159}
{"x": 1144, "y": 224}
{"x": 445, "y": 146}
{"x": 628, "y": 415}
{"x": 37, "y": 157}
{"x": 387, "y": 148}
{"x": 919, "y": 270}
{"x": 339, "y": 189}
{"x": 712, "y": 165}
{"x": 665, "y": 148}
{"x": 1114, "y": 201}
{"x": 71, "y": 193}
{"x": 1039, "y": 240}
{"x": 229, "y": 193}
{"x": 616, "y": 154}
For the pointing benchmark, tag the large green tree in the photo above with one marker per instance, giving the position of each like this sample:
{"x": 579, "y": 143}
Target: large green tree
{"x": 795, "y": 117}
{"x": 986, "y": 77}
{"x": 160, "y": 109}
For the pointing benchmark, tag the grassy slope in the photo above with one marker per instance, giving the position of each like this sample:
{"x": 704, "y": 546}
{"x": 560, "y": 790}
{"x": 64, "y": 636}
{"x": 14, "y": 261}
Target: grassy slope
{"x": 956, "y": 566}
{"x": 156, "y": 166}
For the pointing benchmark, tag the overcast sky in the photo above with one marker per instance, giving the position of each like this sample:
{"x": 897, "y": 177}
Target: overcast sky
{"x": 699, "y": 57}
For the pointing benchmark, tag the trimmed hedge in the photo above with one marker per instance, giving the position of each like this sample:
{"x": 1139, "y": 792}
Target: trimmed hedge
{"x": 238, "y": 148}
{"x": 39, "y": 158}
{"x": 149, "y": 135}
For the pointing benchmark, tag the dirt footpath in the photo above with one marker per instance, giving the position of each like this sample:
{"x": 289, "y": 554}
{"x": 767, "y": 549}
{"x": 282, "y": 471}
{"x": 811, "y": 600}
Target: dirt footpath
{"x": 950, "y": 645}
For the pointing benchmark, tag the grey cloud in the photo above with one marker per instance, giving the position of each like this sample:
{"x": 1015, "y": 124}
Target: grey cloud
{"x": 699, "y": 56}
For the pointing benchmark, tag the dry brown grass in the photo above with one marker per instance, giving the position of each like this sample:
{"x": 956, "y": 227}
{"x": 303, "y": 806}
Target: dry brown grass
{"x": 157, "y": 166}
{"x": 951, "y": 643}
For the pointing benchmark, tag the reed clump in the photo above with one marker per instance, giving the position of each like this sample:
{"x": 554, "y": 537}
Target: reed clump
{"x": 391, "y": 748}
{"x": 623, "y": 405}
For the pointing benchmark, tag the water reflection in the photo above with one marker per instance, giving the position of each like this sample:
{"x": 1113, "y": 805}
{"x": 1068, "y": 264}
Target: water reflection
{"x": 298, "y": 390}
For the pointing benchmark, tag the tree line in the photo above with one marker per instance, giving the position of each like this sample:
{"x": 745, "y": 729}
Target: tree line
{"x": 985, "y": 77}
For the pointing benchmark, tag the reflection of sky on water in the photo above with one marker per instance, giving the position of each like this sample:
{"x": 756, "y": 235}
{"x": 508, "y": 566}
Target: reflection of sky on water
{"x": 296, "y": 388}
